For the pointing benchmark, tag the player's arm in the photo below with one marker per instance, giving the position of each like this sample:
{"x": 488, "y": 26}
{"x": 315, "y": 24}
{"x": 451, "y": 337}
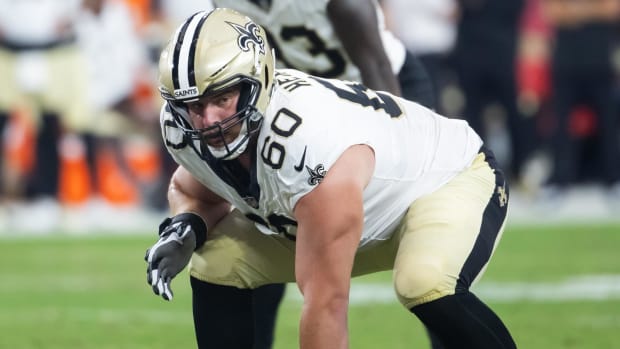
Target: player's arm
{"x": 194, "y": 208}
{"x": 355, "y": 22}
{"x": 186, "y": 194}
{"x": 330, "y": 221}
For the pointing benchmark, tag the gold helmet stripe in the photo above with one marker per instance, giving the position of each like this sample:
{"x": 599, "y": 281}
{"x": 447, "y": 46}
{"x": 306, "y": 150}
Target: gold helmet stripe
{"x": 184, "y": 50}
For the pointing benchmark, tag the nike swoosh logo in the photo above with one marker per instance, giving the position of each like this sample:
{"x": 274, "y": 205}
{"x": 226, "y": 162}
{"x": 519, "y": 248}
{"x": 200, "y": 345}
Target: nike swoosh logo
{"x": 300, "y": 167}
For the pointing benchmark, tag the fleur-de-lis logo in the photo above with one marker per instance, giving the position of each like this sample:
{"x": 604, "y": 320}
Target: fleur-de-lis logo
{"x": 249, "y": 34}
{"x": 502, "y": 196}
{"x": 316, "y": 175}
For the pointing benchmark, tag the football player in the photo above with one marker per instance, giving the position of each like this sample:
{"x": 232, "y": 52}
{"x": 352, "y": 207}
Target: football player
{"x": 343, "y": 39}
{"x": 286, "y": 176}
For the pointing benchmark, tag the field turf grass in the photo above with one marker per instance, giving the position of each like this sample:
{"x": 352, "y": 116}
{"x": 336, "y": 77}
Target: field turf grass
{"x": 63, "y": 291}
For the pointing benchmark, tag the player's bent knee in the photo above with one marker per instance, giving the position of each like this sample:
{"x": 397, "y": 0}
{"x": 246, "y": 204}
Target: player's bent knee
{"x": 422, "y": 284}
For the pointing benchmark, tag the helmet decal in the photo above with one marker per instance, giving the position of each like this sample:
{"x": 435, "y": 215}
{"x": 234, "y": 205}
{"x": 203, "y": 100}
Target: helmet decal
{"x": 249, "y": 34}
{"x": 184, "y": 44}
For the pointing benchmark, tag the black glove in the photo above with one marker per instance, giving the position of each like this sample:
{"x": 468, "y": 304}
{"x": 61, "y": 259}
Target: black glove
{"x": 179, "y": 237}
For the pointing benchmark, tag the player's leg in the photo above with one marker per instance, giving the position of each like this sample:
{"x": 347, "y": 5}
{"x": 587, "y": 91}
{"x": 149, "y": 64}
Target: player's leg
{"x": 43, "y": 180}
{"x": 447, "y": 239}
{"x": 464, "y": 321}
{"x": 266, "y": 301}
{"x": 232, "y": 277}
{"x": 4, "y": 119}
{"x": 605, "y": 106}
{"x": 9, "y": 94}
{"x": 223, "y": 315}
{"x": 415, "y": 82}
{"x": 63, "y": 108}
{"x": 417, "y": 85}
{"x": 245, "y": 318}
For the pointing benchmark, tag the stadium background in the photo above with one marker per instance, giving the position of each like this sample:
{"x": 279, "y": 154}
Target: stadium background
{"x": 71, "y": 268}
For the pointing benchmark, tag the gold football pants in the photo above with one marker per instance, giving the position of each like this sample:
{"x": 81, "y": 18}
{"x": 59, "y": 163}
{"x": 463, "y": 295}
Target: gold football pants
{"x": 442, "y": 245}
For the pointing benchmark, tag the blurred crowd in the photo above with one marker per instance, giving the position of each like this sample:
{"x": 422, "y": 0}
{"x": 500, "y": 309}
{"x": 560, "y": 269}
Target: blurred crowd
{"x": 79, "y": 108}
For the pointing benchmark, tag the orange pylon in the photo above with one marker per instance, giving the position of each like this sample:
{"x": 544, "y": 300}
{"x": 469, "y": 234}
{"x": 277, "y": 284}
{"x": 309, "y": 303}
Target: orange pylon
{"x": 114, "y": 185}
{"x": 143, "y": 161}
{"x": 20, "y": 140}
{"x": 74, "y": 187}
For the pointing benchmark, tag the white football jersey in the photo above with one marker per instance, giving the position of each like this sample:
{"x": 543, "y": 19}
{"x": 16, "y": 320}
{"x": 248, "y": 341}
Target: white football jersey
{"x": 309, "y": 123}
{"x": 304, "y": 37}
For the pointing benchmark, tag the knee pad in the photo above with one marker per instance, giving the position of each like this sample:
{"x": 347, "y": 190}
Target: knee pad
{"x": 420, "y": 283}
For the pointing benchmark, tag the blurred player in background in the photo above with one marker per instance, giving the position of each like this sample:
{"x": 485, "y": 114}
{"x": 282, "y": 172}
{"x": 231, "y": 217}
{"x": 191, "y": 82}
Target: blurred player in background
{"x": 485, "y": 57}
{"x": 343, "y": 39}
{"x": 428, "y": 28}
{"x": 584, "y": 71}
{"x": 43, "y": 84}
{"x": 117, "y": 66}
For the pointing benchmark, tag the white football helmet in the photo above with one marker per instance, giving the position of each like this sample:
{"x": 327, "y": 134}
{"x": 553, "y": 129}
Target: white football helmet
{"x": 209, "y": 53}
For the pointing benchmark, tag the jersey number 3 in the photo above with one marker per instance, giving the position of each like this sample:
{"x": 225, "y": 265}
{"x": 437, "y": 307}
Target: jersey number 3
{"x": 316, "y": 47}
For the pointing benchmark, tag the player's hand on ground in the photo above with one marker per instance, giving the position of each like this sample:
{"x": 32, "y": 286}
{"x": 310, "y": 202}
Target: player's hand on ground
{"x": 179, "y": 236}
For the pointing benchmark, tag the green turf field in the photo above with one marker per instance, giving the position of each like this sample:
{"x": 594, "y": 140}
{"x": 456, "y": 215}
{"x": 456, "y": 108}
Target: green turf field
{"x": 90, "y": 292}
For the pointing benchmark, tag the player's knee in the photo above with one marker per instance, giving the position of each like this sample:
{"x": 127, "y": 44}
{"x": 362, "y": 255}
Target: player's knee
{"x": 421, "y": 284}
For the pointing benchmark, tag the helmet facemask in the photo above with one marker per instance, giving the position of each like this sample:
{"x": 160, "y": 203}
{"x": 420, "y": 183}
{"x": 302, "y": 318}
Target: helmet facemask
{"x": 247, "y": 115}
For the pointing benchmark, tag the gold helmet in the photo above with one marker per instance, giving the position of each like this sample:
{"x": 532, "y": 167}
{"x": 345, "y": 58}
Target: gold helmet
{"x": 209, "y": 53}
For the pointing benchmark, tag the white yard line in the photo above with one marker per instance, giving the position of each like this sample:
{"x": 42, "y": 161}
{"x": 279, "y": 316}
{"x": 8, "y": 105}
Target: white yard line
{"x": 588, "y": 287}
{"x": 585, "y": 287}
